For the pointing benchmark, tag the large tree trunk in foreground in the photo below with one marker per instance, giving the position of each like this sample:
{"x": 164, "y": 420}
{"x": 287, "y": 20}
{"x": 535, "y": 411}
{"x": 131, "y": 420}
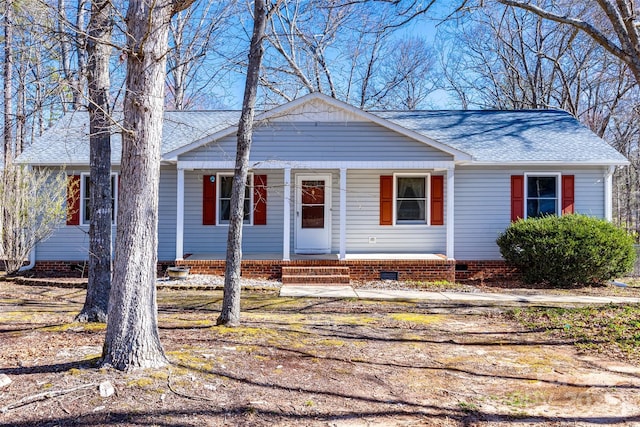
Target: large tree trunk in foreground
{"x": 132, "y": 339}
{"x": 100, "y": 204}
{"x": 230, "y": 314}
{"x": 6, "y": 218}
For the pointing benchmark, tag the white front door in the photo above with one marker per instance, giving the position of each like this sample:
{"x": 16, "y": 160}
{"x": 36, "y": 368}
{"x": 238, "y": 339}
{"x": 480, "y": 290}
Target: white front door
{"x": 313, "y": 214}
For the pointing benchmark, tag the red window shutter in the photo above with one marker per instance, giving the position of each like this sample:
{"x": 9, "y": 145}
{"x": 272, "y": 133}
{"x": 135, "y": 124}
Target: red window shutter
{"x": 260, "y": 200}
{"x": 386, "y": 200}
{"x": 437, "y": 200}
{"x": 208, "y": 200}
{"x": 73, "y": 200}
{"x": 568, "y": 194}
{"x": 517, "y": 197}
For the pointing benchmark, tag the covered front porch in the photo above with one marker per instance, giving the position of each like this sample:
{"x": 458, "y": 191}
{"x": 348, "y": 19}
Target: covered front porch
{"x": 351, "y": 221}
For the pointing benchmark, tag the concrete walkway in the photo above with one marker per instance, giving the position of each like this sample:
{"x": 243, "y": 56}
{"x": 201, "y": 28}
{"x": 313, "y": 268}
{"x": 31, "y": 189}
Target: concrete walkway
{"x": 447, "y": 297}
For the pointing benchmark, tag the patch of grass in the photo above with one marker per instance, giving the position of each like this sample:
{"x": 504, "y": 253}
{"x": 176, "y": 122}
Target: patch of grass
{"x": 182, "y": 322}
{"x": 538, "y": 358}
{"x": 159, "y": 375}
{"x": 613, "y": 329}
{"x": 468, "y": 407}
{"x": 422, "y": 319}
{"x": 143, "y": 382}
{"x": 192, "y": 360}
{"x": 76, "y": 327}
{"x": 518, "y": 399}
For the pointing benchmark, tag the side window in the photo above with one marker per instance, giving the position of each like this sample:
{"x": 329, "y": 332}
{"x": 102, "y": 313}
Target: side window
{"x": 225, "y": 183}
{"x": 411, "y": 199}
{"x": 542, "y": 196}
{"x": 84, "y": 201}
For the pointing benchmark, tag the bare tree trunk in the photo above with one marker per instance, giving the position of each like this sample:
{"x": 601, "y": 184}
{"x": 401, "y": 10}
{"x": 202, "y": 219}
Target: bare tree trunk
{"x": 82, "y": 51}
{"x": 100, "y": 204}
{"x": 21, "y": 104}
{"x": 6, "y": 216}
{"x": 132, "y": 340}
{"x": 8, "y": 77}
{"x": 230, "y": 314}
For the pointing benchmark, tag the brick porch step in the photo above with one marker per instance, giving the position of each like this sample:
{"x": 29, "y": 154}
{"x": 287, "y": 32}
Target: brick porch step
{"x": 314, "y": 276}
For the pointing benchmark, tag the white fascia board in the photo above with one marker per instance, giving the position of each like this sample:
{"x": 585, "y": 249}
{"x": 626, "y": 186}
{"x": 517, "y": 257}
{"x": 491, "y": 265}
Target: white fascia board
{"x": 551, "y": 163}
{"x": 277, "y": 164}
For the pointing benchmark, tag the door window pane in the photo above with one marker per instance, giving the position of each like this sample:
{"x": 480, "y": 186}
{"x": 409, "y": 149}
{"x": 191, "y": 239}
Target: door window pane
{"x": 313, "y": 193}
{"x": 313, "y": 216}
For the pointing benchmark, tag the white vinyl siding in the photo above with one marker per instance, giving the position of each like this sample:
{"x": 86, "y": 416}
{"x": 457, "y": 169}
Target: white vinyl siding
{"x": 310, "y": 141}
{"x": 482, "y": 211}
{"x": 68, "y": 242}
{"x": 71, "y": 243}
{"x": 207, "y": 239}
{"x": 167, "y": 214}
{"x": 363, "y": 221}
{"x": 483, "y": 200}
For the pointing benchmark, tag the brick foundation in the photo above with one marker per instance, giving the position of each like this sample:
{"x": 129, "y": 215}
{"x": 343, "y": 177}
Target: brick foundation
{"x": 474, "y": 272}
{"x": 77, "y": 268}
{"x": 423, "y": 270}
{"x": 479, "y": 272}
{"x": 61, "y": 268}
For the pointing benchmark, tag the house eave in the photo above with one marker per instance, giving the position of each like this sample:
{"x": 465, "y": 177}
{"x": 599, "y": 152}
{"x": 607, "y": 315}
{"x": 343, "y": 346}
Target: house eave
{"x": 548, "y": 163}
{"x": 319, "y": 164}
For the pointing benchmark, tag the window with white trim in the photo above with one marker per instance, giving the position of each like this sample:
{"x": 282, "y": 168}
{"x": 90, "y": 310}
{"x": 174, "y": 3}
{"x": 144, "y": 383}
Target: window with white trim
{"x": 411, "y": 199}
{"x": 542, "y": 195}
{"x": 85, "y": 190}
{"x": 225, "y": 188}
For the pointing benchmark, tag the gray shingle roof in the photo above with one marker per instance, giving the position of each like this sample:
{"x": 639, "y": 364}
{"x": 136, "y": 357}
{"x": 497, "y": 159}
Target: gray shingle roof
{"x": 527, "y": 136}
{"x": 67, "y": 142}
{"x": 510, "y": 136}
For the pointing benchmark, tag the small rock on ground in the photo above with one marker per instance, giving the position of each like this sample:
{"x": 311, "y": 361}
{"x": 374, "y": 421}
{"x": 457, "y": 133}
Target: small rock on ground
{"x": 4, "y": 380}
{"x": 106, "y": 389}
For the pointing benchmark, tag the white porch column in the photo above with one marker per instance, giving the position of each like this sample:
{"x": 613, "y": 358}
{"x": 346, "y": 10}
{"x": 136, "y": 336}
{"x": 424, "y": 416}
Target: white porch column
{"x": 180, "y": 215}
{"x": 343, "y": 213}
{"x": 608, "y": 194}
{"x": 450, "y": 214}
{"x": 286, "y": 217}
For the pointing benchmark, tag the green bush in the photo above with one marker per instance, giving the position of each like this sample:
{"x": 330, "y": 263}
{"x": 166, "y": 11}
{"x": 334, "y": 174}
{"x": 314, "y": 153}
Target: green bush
{"x": 567, "y": 251}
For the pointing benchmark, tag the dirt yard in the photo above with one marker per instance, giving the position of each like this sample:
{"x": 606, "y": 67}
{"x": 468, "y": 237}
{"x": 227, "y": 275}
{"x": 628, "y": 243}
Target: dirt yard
{"x": 305, "y": 362}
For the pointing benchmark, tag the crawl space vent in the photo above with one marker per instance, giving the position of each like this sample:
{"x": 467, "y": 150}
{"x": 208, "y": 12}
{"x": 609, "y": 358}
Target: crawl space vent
{"x": 388, "y": 275}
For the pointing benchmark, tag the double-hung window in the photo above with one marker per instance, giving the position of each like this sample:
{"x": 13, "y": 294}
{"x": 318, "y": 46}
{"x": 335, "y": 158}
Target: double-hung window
{"x": 411, "y": 199}
{"x": 225, "y": 183}
{"x": 85, "y": 191}
{"x": 542, "y": 195}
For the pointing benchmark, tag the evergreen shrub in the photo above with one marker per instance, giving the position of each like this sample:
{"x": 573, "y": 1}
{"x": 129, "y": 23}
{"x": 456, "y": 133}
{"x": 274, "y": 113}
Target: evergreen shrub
{"x": 567, "y": 251}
